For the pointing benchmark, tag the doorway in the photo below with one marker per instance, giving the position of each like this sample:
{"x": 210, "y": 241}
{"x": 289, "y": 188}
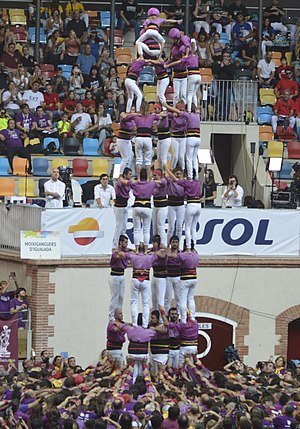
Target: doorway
{"x": 293, "y": 351}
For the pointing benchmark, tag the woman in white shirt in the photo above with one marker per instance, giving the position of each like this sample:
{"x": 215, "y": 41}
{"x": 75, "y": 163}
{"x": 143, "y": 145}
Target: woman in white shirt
{"x": 104, "y": 193}
{"x": 101, "y": 128}
{"x": 233, "y": 196}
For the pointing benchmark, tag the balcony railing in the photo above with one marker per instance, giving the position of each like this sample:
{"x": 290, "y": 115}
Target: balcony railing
{"x": 230, "y": 101}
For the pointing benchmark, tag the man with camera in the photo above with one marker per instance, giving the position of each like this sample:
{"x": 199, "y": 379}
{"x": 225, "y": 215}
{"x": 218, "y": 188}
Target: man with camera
{"x": 233, "y": 196}
{"x": 54, "y": 191}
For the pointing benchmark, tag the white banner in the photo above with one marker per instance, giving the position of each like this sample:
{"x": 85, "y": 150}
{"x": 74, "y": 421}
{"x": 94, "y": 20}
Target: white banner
{"x": 82, "y": 231}
{"x": 219, "y": 232}
{"x": 40, "y": 245}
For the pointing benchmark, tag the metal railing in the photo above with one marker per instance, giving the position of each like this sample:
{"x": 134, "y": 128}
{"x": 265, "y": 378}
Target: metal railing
{"x": 231, "y": 100}
{"x": 16, "y": 218}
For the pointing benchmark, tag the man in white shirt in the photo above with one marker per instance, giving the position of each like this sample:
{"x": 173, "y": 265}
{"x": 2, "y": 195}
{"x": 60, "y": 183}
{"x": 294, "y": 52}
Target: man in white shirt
{"x": 104, "y": 193}
{"x": 54, "y": 191}
{"x": 33, "y": 97}
{"x": 266, "y": 70}
{"x": 80, "y": 122}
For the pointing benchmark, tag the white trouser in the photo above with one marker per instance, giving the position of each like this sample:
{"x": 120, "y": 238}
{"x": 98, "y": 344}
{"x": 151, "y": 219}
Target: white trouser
{"x": 193, "y": 85}
{"x": 137, "y": 287}
{"x": 117, "y": 288}
{"x": 159, "y": 216}
{"x": 187, "y": 291}
{"x": 297, "y": 124}
{"x": 175, "y": 213}
{"x": 292, "y": 121}
{"x": 217, "y": 26}
{"x": 228, "y": 31}
{"x": 158, "y": 288}
{"x": 162, "y": 85}
{"x": 191, "y": 158}
{"x": 201, "y": 24}
{"x": 173, "y": 359}
{"x": 180, "y": 86}
{"x": 121, "y": 215}
{"x": 264, "y": 45}
{"x": 191, "y": 218}
{"x": 156, "y": 361}
{"x": 149, "y": 34}
{"x": 125, "y": 149}
{"x": 178, "y": 152}
{"x": 278, "y": 26}
{"x": 173, "y": 286}
{"x": 116, "y": 355}
{"x": 138, "y": 364}
{"x": 133, "y": 90}
{"x": 162, "y": 151}
{"x": 187, "y": 350}
{"x": 141, "y": 217}
{"x": 151, "y": 52}
{"x": 143, "y": 150}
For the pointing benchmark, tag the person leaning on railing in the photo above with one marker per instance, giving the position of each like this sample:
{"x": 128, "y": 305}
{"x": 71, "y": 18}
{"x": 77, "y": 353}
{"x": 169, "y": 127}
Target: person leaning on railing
{"x": 19, "y": 305}
{"x": 6, "y": 297}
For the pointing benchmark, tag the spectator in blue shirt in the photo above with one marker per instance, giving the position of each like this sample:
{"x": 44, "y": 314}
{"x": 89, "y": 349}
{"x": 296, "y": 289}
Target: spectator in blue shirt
{"x": 86, "y": 60}
{"x": 241, "y": 32}
{"x": 94, "y": 41}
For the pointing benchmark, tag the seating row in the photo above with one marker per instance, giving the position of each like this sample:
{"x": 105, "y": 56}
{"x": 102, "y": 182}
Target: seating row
{"x": 42, "y": 166}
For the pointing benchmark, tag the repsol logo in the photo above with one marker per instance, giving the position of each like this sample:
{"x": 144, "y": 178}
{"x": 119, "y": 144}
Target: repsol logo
{"x": 259, "y": 233}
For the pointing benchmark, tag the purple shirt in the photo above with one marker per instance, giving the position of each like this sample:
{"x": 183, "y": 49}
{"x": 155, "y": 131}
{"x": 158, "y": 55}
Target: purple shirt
{"x": 187, "y": 330}
{"x": 141, "y": 261}
{"x": 170, "y": 424}
{"x": 179, "y": 122}
{"x": 42, "y": 121}
{"x": 174, "y": 189}
{"x": 12, "y": 137}
{"x": 26, "y": 121}
{"x": 157, "y": 22}
{"x": 127, "y": 125}
{"x": 136, "y": 66}
{"x": 193, "y": 122}
{"x": 122, "y": 190}
{"x": 191, "y": 62}
{"x": 14, "y": 303}
{"x": 5, "y": 299}
{"x": 188, "y": 260}
{"x": 283, "y": 422}
{"x": 118, "y": 262}
{"x": 161, "y": 190}
{"x": 144, "y": 124}
{"x": 192, "y": 187}
{"x": 114, "y": 336}
{"x": 143, "y": 189}
{"x": 139, "y": 334}
{"x": 160, "y": 70}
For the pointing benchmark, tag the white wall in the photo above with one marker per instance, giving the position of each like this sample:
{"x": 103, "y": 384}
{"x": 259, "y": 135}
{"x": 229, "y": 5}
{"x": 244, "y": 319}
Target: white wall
{"x": 82, "y": 296}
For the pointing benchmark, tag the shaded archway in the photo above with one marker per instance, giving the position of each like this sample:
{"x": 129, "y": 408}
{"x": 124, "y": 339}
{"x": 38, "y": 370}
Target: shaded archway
{"x": 282, "y": 328}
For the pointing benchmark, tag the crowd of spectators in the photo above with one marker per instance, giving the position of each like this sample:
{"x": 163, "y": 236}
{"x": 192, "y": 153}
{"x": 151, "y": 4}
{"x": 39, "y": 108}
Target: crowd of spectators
{"x": 59, "y": 393}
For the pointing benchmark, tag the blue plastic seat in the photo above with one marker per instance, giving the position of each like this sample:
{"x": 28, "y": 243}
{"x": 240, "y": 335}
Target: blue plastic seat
{"x": 224, "y": 38}
{"x": 117, "y": 160}
{"x": 43, "y": 39}
{"x": 147, "y": 75}
{"x": 66, "y": 70}
{"x": 40, "y": 166}
{"x": 285, "y": 172}
{"x": 105, "y": 19}
{"x": 264, "y": 114}
{"x": 4, "y": 167}
{"x": 48, "y": 140}
{"x": 90, "y": 147}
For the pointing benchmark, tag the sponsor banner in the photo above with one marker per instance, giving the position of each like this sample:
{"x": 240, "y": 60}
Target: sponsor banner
{"x": 40, "y": 245}
{"x": 9, "y": 341}
{"x": 82, "y": 231}
{"x": 219, "y": 232}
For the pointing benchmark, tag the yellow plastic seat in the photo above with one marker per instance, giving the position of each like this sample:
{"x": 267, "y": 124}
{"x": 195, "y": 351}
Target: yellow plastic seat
{"x": 27, "y": 187}
{"x": 275, "y": 149}
{"x": 20, "y": 166}
{"x": 267, "y": 96}
{"x": 60, "y": 162}
{"x": 150, "y": 93}
{"x": 288, "y": 56}
{"x": 99, "y": 166}
{"x": 7, "y": 186}
{"x": 32, "y": 142}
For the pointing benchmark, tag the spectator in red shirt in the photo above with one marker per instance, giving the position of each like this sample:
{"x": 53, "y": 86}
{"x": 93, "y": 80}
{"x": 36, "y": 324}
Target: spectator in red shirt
{"x": 52, "y": 103}
{"x": 284, "y": 109}
{"x": 288, "y": 83}
{"x": 11, "y": 59}
{"x": 88, "y": 103}
{"x": 69, "y": 104}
